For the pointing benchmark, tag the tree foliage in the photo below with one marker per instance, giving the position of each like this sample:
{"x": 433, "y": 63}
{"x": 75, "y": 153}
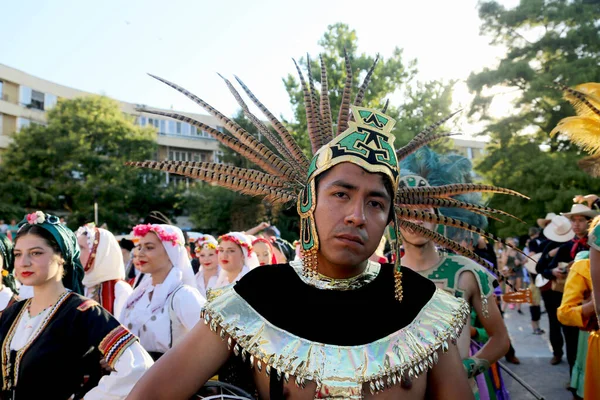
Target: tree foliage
{"x": 78, "y": 157}
{"x": 545, "y": 40}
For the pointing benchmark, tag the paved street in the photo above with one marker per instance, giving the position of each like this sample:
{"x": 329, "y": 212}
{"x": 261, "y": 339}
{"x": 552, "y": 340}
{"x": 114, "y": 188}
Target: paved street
{"x": 534, "y": 352}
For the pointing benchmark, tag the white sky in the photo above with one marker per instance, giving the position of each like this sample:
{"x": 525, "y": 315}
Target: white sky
{"x": 107, "y": 47}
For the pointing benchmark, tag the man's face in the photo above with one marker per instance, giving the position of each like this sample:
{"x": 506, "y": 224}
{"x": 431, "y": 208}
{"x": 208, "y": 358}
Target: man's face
{"x": 579, "y": 224}
{"x": 411, "y": 237}
{"x": 352, "y": 212}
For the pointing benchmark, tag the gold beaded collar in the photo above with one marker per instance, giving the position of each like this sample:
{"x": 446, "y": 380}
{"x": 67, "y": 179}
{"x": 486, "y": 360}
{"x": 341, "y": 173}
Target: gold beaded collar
{"x": 326, "y": 283}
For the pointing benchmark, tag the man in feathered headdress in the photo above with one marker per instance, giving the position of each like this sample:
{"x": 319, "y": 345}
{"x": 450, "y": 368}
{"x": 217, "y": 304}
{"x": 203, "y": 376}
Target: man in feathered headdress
{"x": 333, "y": 325}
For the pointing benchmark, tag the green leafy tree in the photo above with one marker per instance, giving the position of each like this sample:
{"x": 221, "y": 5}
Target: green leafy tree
{"x": 545, "y": 40}
{"x": 79, "y": 157}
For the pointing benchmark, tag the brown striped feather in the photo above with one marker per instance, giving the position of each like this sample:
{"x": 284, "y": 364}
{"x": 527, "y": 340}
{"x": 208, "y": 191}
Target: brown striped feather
{"x": 270, "y": 166}
{"x": 418, "y": 142}
{"x": 426, "y": 202}
{"x": 325, "y": 103}
{"x": 455, "y": 189}
{"x": 285, "y": 135}
{"x": 313, "y": 133}
{"x": 276, "y": 195}
{"x": 343, "y": 115}
{"x": 242, "y": 173}
{"x": 322, "y": 140}
{"x": 363, "y": 88}
{"x": 418, "y": 215}
{"x": 231, "y": 126}
{"x": 264, "y": 130}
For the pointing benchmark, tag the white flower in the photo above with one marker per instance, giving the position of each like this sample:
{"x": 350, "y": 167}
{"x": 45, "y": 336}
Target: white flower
{"x": 40, "y": 217}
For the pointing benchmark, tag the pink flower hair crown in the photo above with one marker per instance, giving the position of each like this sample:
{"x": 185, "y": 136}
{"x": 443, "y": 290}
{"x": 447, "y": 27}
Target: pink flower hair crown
{"x": 237, "y": 241}
{"x": 37, "y": 217}
{"x": 142, "y": 230}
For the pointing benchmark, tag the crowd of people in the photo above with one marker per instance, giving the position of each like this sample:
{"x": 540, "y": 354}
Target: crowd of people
{"x": 160, "y": 316}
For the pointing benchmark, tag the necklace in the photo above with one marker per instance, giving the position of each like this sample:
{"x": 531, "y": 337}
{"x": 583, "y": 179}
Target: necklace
{"x": 327, "y": 283}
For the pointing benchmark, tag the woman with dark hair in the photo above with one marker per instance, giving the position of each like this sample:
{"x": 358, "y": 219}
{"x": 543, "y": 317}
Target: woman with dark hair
{"x": 8, "y": 286}
{"x": 44, "y": 339}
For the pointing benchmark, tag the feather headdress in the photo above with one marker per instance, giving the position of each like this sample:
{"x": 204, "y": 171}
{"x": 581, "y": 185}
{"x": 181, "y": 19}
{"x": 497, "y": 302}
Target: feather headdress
{"x": 363, "y": 136}
{"x": 584, "y": 129}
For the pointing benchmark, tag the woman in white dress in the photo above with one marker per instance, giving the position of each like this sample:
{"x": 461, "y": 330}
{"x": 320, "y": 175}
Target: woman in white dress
{"x": 236, "y": 257}
{"x": 8, "y": 287}
{"x": 166, "y": 305}
{"x": 47, "y": 341}
{"x": 206, "y": 251}
{"x": 102, "y": 261}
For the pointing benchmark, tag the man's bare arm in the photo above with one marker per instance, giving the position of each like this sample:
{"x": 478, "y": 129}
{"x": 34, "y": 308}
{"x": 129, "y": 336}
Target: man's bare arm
{"x": 497, "y": 346}
{"x": 447, "y": 380}
{"x": 185, "y": 368}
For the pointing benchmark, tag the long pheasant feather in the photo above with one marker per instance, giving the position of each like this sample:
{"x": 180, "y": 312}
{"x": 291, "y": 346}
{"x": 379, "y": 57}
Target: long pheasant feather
{"x": 325, "y": 103}
{"x": 311, "y": 121}
{"x": 455, "y": 189}
{"x": 315, "y": 104}
{"x": 272, "y": 166}
{"x": 360, "y": 95}
{"x": 231, "y": 182}
{"x": 450, "y": 203}
{"x": 230, "y": 125}
{"x": 434, "y": 126}
{"x": 418, "y": 215}
{"x": 343, "y": 115}
{"x": 418, "y": 142}
{"x": 264, "y": 130}
{"x": 242, "y": 173}
{"x": 285, "y": 135}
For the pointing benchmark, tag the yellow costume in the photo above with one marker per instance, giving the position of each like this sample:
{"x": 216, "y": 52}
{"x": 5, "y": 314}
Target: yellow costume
{"x": 578, "y": 287}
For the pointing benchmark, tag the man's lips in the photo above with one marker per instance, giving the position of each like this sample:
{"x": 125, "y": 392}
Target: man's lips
{"x": 351, "y": 238}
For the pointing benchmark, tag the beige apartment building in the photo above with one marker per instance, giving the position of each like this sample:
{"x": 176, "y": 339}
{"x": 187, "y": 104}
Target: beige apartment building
{"x": 25, "y": 99}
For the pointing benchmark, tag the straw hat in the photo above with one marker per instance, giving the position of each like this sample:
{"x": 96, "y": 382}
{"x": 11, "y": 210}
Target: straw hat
{"x": 531, "y": 263}
{"x": 559, "y": 229}
{"x": 542, "y": 222}
{"x": 580, "y": 209}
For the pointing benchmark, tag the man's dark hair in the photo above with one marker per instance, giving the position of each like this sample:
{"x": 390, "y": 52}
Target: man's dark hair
{"x": 534, "y": 231}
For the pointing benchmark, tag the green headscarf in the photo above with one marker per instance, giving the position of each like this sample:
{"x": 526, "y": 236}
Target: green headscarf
{"x": 8, "y": 263}
{"x": 67, "y": 242}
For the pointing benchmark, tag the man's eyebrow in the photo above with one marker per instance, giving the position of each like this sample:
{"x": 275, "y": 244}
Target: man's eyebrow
{"x": 347, "y": 185}
{"x": 343, "y": 184}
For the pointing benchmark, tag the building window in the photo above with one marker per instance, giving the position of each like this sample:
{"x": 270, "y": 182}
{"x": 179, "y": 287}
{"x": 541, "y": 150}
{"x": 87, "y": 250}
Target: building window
{"x": 218, "y": 156}
{"x": 37, "y": 100}
{"x": 178, "y": 127}
{"x": 50, "y": 101}
{"x": 1, "y": 92}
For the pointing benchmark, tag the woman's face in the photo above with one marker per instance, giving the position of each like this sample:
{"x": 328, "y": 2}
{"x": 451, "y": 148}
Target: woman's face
{"x": 263, "y": 253}
{"x": 135, "y": 257}
{"x": 36, "y": 263}
{"x": 152, "y": 256}
{"x": 208, "y": 258}
{"x": 84, "y": 249}
{"x": 231, "y": 257}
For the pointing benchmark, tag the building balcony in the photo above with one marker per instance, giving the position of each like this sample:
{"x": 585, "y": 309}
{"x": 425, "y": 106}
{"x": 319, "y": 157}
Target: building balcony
{"x": 189, "y": 142}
